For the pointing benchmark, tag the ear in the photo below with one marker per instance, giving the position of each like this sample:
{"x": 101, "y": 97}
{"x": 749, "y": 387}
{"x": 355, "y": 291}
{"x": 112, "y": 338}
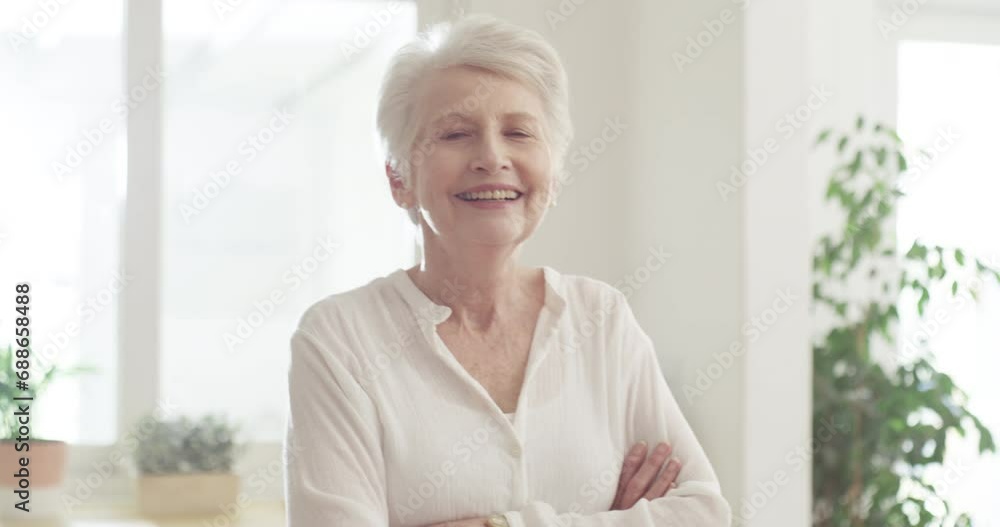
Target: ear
{"x": 399, "y": 192}
{"x": 389, "y": 173}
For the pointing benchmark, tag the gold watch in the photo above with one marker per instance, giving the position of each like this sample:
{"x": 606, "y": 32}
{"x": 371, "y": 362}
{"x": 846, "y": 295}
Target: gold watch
{"x": 497, "y": 520}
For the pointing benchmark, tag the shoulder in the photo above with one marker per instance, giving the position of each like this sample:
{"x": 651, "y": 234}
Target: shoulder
{"x": 601, "y": 317}
{"x": 346, "y": 329}
{"x": 596, "y": 312}
{"x": 348, "y": 312}
{"x": 598, "y": 324}
{"x": 587, "y": 294}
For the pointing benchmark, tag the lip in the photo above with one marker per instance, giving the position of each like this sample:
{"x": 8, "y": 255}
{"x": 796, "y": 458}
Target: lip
{"x": 491, "y": 204}
{"x": 482, "y": 188}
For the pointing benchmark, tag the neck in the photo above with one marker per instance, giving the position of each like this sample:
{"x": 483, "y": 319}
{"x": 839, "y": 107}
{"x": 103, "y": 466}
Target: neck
{"x": 483, "y": 285}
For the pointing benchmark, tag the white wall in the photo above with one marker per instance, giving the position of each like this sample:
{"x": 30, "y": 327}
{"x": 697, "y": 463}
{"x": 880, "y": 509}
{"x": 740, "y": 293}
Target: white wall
{"x": 689, "y": 133}
{"x": 780, "y": 120}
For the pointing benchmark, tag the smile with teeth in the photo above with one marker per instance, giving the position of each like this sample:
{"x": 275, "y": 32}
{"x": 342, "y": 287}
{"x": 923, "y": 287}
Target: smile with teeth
{"x": 490, "y": 195}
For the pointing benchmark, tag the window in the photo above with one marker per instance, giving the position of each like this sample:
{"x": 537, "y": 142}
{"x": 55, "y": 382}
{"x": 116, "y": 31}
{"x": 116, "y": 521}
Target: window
{"x": 273, "y": 192}
{"x": 62, "y": 177}
{"x": 948, "y": 106}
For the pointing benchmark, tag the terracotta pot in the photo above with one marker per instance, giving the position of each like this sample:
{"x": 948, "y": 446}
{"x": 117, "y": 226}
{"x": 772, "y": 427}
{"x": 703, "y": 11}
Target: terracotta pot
{"x": 46, "y": 463}
{"x": 183, "y": 494}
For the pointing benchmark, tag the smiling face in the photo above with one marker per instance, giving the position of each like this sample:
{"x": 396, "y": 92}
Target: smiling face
{"x": 481, "y": 167}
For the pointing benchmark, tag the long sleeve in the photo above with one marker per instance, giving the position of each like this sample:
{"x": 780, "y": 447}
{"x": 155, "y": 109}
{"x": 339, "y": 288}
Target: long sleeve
{"x": 334, "y": 470}
{"x": 652, "y": 414}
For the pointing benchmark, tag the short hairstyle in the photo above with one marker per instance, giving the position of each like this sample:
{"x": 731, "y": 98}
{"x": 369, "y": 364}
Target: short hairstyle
{"x": 477, "y": 41}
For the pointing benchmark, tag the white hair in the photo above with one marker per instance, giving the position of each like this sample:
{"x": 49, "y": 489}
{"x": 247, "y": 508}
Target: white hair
{"x": 478, "y": 41}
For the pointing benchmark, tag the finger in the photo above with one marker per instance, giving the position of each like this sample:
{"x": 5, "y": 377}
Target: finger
{"x": 631, "y": 465}
{"x": 666, "y": 481}
{"x": 640, "y": 482}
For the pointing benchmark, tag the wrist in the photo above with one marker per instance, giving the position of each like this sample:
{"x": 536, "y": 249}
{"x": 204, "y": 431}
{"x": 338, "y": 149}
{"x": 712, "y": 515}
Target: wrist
{"x": 497, "y": 520}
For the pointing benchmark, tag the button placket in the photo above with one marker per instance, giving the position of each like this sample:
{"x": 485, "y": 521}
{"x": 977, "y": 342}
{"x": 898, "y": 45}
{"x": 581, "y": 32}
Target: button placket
{"x": 518, "y": 484}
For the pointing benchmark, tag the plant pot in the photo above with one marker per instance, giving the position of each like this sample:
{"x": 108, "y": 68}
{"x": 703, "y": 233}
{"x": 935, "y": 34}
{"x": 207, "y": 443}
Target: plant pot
{"x": 46, "y": 474}
{"x": 46, "y": 465}
{"x": 188, "y": 494}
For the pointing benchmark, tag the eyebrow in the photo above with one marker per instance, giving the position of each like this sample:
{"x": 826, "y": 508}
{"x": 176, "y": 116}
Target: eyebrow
{"x": 450, "y": 116}
{"x": 524, "y": 116}
{"x": 466, "y": 117}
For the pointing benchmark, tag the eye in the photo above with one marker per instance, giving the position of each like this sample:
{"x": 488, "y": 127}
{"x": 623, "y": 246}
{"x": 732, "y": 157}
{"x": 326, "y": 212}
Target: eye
{"x": 518, "y": 133}
{"x": 451, "y": 136}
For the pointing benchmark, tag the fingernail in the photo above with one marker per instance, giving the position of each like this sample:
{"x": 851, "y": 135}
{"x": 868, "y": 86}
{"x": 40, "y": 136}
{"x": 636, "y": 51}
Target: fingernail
{"x": 662, "y": 448}
{"x": 638, "y": 448}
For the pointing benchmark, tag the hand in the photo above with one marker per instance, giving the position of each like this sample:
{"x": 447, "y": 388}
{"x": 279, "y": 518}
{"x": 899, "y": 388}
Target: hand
{"x": 468, "y": 522}
{"x": 637, "y": 477}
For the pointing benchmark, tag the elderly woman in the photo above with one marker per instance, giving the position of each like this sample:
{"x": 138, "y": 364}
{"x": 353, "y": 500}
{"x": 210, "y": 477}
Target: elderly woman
{"x": 470, "y": 390}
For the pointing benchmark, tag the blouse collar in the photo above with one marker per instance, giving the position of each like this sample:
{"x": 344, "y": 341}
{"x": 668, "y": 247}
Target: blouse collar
{"x": 429, "y": 312}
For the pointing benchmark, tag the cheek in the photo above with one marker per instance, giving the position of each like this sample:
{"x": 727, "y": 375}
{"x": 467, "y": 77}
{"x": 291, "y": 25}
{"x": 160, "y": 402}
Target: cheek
{"x": 444, "y": 163}
{"x": 434, "y": 194}
{"x": 437, "y": 172}
{"x": 536, "y": 165}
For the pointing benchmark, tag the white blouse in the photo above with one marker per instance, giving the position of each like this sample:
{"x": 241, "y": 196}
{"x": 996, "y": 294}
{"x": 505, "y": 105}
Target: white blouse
{"x": 387, "y": 428}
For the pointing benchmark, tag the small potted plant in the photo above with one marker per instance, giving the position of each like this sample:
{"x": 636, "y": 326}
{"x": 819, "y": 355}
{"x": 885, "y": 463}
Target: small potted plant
{"x": 186, "y": 466}
{"x": 47, "y": 457}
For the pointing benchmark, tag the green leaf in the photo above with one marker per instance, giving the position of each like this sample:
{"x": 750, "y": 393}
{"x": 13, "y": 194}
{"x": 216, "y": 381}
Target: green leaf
{"x": 823, "y": 136}
{"x": 986, "y": 443}
{"x": 985, "y": 437}
{"x": 880, "y": 155}
{"x": 917, "y": 252}
{"x": 954, "y": 287}
{"x": 855, "y": 165}
{"x": 833, "y": 189}
{"x": 959, "y": 257}
{"x": 842, "y": 144}
{"x": 860, "y": 123}
{"x": 901, "y": 161}
{"x": 925, "y": 297}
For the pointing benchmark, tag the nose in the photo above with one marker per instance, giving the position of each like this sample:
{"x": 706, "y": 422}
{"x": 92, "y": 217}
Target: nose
{"x": 491, "y": 155}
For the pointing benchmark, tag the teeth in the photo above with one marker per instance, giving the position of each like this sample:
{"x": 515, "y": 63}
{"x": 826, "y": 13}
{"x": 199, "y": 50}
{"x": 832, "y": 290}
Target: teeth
{"x": 489, "y": 195}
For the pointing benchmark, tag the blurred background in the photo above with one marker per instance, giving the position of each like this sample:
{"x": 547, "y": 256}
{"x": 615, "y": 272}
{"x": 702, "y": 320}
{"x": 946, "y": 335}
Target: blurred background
{"x": 180, "y": 179}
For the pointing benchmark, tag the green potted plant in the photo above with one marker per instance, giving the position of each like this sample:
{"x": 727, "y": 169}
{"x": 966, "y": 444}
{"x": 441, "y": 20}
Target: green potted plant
{"x": 897, "y": 412}
{"x": 186, "y": 466}
{"x": 47, "y": 466}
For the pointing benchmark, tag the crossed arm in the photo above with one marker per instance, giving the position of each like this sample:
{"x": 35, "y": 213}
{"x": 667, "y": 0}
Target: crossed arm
{"x": 649, "y": 494}
{"x": 643, "y": 477}
{"x": 325, "y": 392}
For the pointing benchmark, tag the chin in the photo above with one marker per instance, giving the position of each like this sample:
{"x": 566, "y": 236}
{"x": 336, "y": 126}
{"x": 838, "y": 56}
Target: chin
{"x": 496, "y": 235}
{"x": 496, "y": 239}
